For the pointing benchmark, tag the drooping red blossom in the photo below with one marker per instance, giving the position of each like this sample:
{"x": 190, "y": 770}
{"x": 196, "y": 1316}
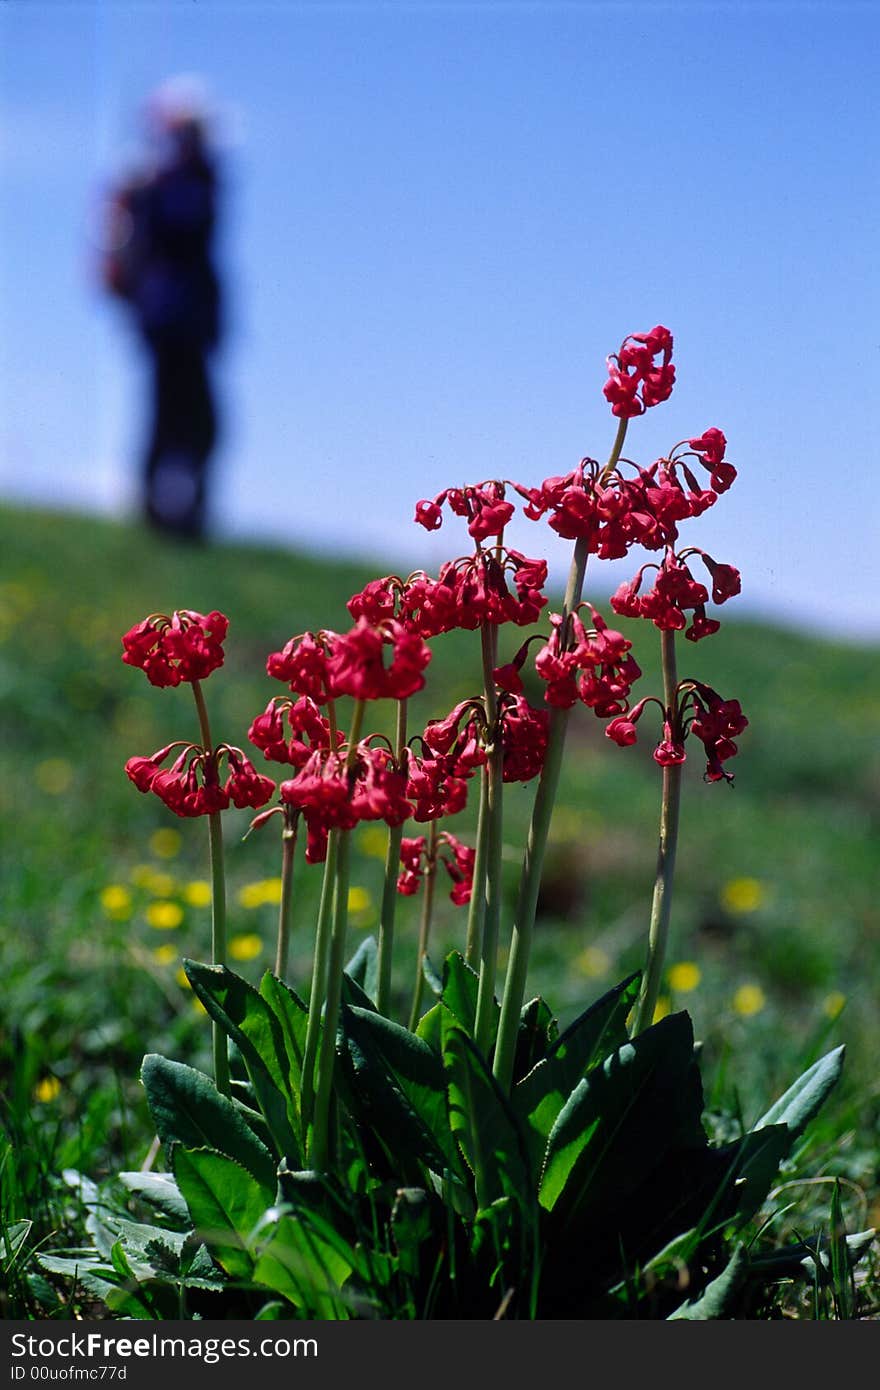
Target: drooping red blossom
{"x": 244, "y": 785}
{"x": 357, "y": 667}
{"x": 670, "y": 750}
{"x": 302, "y": 662}
{"x": 592, "y": 666}
{"x": 675, "y": 591}
{"x": 710, "y": 449}
{"x": 379, "y": 788}
{"x": 636, "y": 379}
{"x": 699, "y": 711}
{"x": 483, "y": 504}
{"x": 308, "y": 730}
{"x": 435, "y": 788}
{"x": 524, "y": 732}
{"x": 458, "y": 863}
{"x": 187, "y": 646}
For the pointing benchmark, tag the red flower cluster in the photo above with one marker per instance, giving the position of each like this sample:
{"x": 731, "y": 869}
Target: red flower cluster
{"x": 460, "y": 866}
{"x": 192, "y": 786}
{"x": 308, "y": 728}
{"x": 675, "y": 590}
{"x": 468, "y": 592}
{"x": 592, "y": 666}
{"x": 483, "y": 505}
{"x": 184, "y": 647}
{"x": 333, "y": 795}
{"x": 701, "y": 711}
{"x": 614, "y": 512}
{"x": 327, "y": 664}
{"x": 462, "y": 735}
{"x": 636, "y": 380}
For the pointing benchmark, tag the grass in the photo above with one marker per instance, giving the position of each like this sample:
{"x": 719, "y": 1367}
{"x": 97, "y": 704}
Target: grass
{"x": 776, "y": 920}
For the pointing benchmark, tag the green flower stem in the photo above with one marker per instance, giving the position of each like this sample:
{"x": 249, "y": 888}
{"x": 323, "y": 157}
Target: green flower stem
{"x": 320, "y": 1156}
{"x": 389, "y": 890}
{"x": 335, "y": 967}
{"x": 477, "y": 906}
{"x": 425, "y": 925}
{"x": 484, "y": 1022}
{"x": 218, "y": 900}
{"x": 536, "y": 842}
{"x": 661, "y": 906}
{"x": 285, "y": 911}
{"x": 319, "y": 981}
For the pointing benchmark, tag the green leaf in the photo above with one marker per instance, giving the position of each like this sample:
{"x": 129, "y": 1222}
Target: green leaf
{"x": 400, "y": 1079}
{"x": 251, "y": 1024}
{"x": 841, "y": 1274}
{"x": 160, "y": 1190}
{"x": 539, "y": 1097}
{"x": 293, "y": 1016}
{"x": 305, "y": 1262}
{"x": 718, "y": 1298}
{"x": 482, "y": 1121}
{"x": 459, "y": 994}
{"x": 188, "y": 1109}
{"x": 354, "y": 995}
{"x": 363, "y": 967}
{"x": 433, "y": 979}
{"x": 805, "y": 1098}
{"x": 225, "y": 1202}
{"x": 622, "y": 1118}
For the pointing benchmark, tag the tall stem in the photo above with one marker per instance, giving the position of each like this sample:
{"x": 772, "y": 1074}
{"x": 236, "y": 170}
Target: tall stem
{"x": 484, "y": 1022}
{"x": 319, "y": 981}
{"x": 218, "y": 900}
{"x": 335, "y": 968}
{"x": 661, "y": 906}
{"x": 425, "y": 924}
{"x": 285, "y": 911}
{"x": 477, "y": 906}
{"x": 327, "y": 1052}
{"x": 536, "y": 842}
{"x": 389, "y": 890}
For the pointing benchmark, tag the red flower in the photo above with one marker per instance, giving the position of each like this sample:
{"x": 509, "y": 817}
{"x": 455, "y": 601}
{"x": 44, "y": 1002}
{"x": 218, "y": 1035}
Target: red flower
{"x": 187, "y": 646}
{"x": 357, "y": 667}
{"x": 302, "y": 662}
{"x": 636, "y": 380}
{"x": 245, "y": 786}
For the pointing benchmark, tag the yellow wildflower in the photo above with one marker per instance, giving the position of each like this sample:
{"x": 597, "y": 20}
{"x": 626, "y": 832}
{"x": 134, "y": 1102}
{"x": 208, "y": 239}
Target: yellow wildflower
{"x": 116, "y": 902}
{"x": 749, "y": 999}
{"x": 197, "y": 893}
{"x": 373, "y": 841}
{"x": 661, "y": 1008}
{"x": 833, "y": 1004}
{"x": 47, "y": 1089}
{"x": 245, "y": 946}
{"x": 264, "y": 892}
{"x": 684, "y": 976}
{"x": 593, "y": 962}
{"x": 165, "y": 954}
{"x": 743, "y": 894}
{"x": 166, "y": 843}
{"x": 164, "y": 916}
{"x": 180, "y": 977}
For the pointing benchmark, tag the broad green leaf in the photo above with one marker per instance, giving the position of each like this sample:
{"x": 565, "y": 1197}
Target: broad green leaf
{"x": 250, "y": 1022}
{"x": 225, "y": 1203}
{"x": 482, "y": 1121}
{"x": 428, "y": 1027}
{"x": 460, "y": 986}
{"x": 301, "y": 1263}
{"x": 12, "y": 1239}
{"x": 539, "y": 1097}
{"x": 718, "y": 1298}
{"x": 805, "y": 1098}
{"x": 755, "y": 1161}
{"x": 622, "y": 1118}
{"x": 160, "y": 1190}
{"x": 353, "y": 994}
{"x": 363, "y": 967}
{"x": 188, "y": 1109}
{"x": 401, "y": 1080}
{"x": 434, "y": 980}
{"x": 293, "y": 1017}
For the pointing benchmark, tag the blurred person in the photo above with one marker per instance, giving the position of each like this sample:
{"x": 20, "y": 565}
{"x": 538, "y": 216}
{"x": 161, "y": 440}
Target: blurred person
{"x": 159, "y": 262}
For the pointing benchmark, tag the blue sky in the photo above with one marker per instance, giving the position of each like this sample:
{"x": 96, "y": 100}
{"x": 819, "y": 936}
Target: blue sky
{"x": 440, "y": 219}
